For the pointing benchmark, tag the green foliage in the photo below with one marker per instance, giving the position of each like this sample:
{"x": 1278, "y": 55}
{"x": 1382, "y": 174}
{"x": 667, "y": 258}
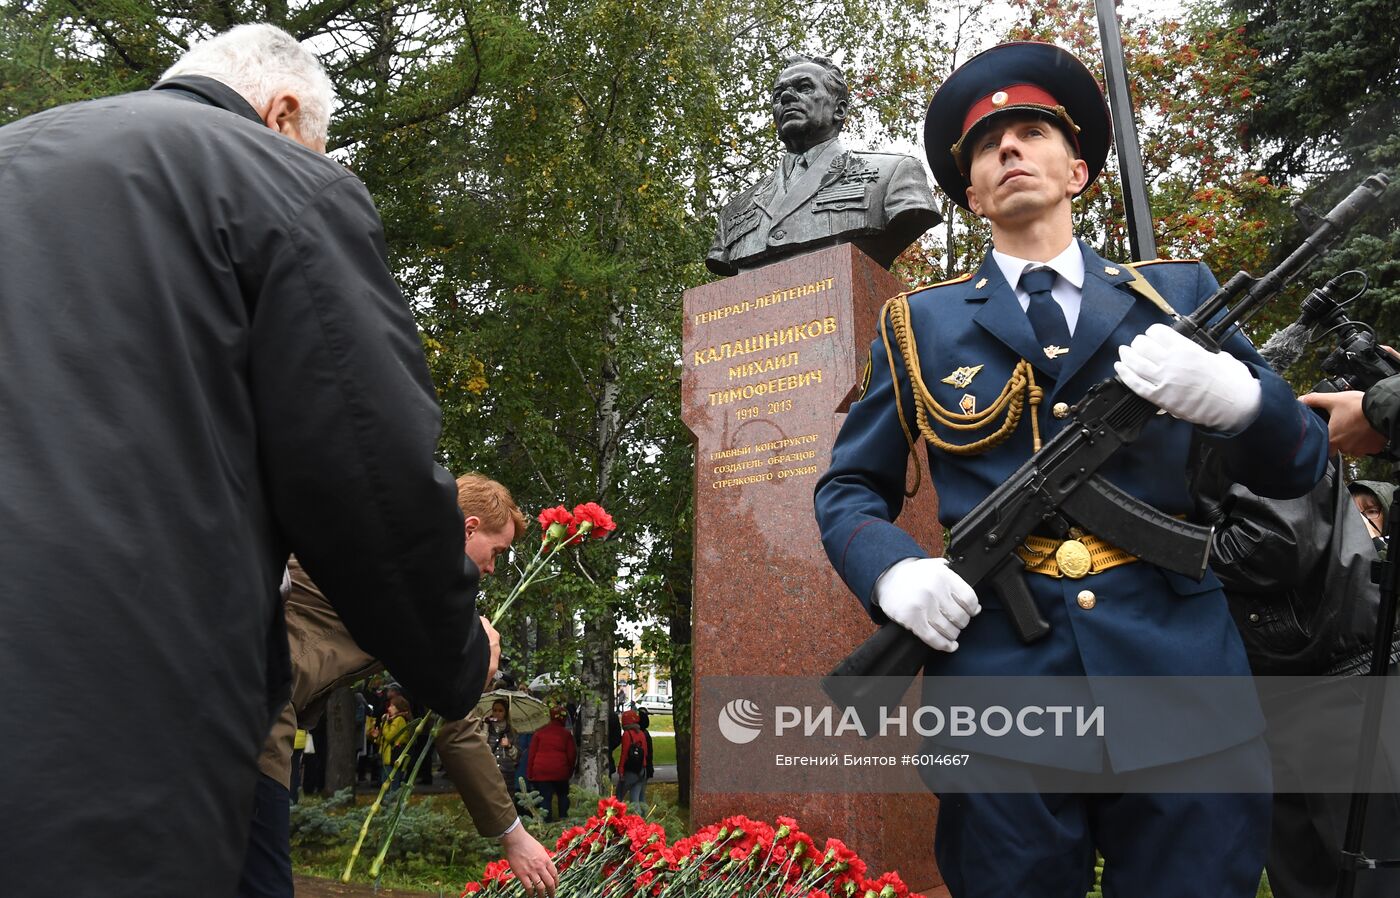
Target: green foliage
{"x": 1193, "y": 82}
{"x": 428, "y": 832}
{"x": 436, "y": 846}
{"x": 1330, "y": 86}
{"x": 1216, "y": 104}
{"x": 1328, "y": 114}
{"x": 529, "y": 801}
{"x": 548, "y": 173}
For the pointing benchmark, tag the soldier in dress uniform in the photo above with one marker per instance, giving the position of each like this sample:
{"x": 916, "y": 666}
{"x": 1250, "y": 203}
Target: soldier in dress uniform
{"x": 984, "y": 368}
{"x": 820, "y": 193}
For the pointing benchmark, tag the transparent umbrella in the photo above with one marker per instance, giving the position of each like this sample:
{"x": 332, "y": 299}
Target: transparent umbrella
{"x": 527, "y": 713}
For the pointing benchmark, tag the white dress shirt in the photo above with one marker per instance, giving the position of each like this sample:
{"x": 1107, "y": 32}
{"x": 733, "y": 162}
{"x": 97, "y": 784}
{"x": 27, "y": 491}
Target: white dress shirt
{"x": 1069, "y": 283}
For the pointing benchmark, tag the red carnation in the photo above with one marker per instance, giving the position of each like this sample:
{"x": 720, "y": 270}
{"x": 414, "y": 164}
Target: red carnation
{"x": 888, "y": 886}
{"x": 498, "y": 871}
{"x": 558, "y": 515}
{"x": 567, "y": 837}
{"x": 611, "y": 807}
{"x": 591, "y": 518}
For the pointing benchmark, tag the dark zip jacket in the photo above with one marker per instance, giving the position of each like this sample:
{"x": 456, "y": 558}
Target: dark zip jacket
{"x": 205, "y": 364}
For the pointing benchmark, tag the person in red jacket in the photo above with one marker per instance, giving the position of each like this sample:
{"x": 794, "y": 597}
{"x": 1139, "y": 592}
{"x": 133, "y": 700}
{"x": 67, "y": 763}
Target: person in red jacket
{"x": 634, "y": 763}
{"x": 552, "y": 756}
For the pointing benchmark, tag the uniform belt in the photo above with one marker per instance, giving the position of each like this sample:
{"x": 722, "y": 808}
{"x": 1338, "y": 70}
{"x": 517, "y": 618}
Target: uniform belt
{"x": 1081, "y": 555}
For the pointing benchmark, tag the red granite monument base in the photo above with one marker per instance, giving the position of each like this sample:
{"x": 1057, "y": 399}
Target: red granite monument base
{"x": 772, "y": 357}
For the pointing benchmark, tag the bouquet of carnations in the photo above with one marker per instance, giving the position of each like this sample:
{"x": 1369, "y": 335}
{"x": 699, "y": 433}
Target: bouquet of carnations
{"x": 559, "y": 529}
{"x": 620, "y": 854}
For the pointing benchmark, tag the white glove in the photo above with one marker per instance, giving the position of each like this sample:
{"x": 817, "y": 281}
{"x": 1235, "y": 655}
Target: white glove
{"x": 926, "y": 597}
{"x": 1212, "y": 389}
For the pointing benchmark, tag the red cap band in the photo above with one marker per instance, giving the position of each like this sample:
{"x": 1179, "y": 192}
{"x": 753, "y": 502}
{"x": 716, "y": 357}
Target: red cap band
{"x": 1009, "y": 97}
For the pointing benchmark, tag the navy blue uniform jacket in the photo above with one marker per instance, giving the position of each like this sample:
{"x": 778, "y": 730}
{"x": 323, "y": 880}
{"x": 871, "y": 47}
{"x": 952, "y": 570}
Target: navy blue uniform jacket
{"x": 1147, "y": 622}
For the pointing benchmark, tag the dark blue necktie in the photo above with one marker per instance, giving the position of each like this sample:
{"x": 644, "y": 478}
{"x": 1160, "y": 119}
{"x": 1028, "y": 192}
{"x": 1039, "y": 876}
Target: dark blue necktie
{"x": 1047, "y": 318}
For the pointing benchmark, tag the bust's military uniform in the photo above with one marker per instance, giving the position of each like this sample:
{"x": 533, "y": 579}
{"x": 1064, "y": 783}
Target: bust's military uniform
{"x": 980, "y": 365}
{"x": 879, "y": 201}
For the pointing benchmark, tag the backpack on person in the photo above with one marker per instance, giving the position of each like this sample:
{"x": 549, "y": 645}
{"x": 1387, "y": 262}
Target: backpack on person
{"x": 636, "y": 758}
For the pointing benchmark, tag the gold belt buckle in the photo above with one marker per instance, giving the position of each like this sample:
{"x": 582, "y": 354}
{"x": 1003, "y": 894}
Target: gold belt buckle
{"x": 1073, "y": 558}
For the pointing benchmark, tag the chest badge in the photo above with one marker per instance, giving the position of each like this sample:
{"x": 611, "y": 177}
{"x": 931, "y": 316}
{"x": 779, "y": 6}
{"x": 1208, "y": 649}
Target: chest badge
{"x": 962, "y": 376}
{"x": 968, "y": 404}
{"x": 1054, "y": 352}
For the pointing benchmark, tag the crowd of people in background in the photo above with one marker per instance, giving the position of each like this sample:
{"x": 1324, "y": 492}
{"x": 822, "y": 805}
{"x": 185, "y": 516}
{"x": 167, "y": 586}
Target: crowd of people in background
{"x": 543, "y": 761}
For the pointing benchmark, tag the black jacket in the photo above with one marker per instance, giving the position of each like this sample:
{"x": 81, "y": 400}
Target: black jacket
{"x": 205, "y": 364}
{"x": 1297, "y": 574}
{"x": 1381, "y": 406}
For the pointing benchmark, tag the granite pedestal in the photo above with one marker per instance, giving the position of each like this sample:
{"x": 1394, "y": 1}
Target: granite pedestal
{"x": 772, "y": 358}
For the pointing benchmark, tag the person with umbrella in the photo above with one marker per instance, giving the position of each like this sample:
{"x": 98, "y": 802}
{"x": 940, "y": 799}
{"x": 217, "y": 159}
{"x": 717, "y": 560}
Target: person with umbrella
{"x": 504, "y": 737}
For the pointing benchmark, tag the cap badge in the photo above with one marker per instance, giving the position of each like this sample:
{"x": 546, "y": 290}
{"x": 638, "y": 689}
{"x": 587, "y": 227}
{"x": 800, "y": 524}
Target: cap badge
{"x": 962, "y": 377}
{"x": 1000, "y": 98}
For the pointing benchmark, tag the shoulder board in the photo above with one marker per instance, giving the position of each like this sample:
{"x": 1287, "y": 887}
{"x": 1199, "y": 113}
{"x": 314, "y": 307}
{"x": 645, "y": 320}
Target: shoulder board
{"x": 885, "y": 309}
{"x": 957, "y": 280}
{"x": 1162, "y": 261}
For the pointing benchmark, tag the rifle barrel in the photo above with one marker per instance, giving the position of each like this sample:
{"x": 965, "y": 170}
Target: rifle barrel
{"x": 1334, "y": 224}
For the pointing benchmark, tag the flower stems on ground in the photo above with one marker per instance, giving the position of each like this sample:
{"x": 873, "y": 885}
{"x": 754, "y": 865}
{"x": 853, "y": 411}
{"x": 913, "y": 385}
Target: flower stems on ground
{"x": 405, "y": 790}
{"x": 398, "y": 765}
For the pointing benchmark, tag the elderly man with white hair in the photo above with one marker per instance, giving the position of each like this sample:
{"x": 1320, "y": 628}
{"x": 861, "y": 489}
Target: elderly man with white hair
{"x": 205, "y": 364}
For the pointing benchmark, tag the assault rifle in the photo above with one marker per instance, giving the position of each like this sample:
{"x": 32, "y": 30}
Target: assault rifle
{"x": 1059, "y": 484}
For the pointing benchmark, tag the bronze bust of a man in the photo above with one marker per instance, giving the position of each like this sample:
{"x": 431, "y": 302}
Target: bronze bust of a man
{"x": 821, "y": 193}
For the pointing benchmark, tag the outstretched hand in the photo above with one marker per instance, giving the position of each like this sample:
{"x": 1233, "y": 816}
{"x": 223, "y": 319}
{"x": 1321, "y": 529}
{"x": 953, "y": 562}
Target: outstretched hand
{"x": 1348, "y": 431}
{"x": 530, "y": 862}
